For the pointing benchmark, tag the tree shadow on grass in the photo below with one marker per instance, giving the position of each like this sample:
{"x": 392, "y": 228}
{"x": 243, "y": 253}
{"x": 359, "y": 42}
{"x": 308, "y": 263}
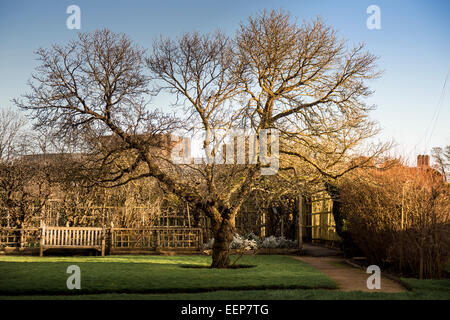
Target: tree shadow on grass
{"x": 237, "y": 266}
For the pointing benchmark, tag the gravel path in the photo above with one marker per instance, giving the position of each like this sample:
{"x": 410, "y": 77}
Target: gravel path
{"x": 347, "y": 277}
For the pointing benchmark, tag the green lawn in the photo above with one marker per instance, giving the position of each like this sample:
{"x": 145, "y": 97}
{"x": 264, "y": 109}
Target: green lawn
{"x": 161, "y": 277}
{"x": 153, "y": 274}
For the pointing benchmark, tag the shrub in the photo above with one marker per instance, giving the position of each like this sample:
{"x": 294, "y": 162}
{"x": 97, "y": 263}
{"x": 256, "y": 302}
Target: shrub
{"x": 347, "y": 245}
{"x": 399, "y": 218}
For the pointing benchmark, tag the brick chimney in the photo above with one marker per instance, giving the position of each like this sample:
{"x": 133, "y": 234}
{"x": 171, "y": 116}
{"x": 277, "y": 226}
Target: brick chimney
{"x": 423, "y": 161}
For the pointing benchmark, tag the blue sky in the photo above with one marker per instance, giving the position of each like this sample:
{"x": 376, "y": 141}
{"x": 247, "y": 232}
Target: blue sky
{"x": 413, "y": 45}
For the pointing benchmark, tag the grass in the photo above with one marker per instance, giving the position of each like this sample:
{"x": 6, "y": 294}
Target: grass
{"x": 153, "y": 274}
{"x": 429, "y": 285}
{"x": 287, "y": 294}
{"x": 161, "y": 277}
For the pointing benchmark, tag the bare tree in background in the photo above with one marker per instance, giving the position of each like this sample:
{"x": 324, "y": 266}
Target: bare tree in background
{"x": 274, "y": 75}
{"x": 442, "y": 158}
{"x": 24, "y": 186}
{"x": 12, "y": 131}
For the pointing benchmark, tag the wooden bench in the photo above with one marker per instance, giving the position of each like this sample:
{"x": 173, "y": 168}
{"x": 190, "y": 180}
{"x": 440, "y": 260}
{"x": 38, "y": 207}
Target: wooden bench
{"x": 72, "y": 238}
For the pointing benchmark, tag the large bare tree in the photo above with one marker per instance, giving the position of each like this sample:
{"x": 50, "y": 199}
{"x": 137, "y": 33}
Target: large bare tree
{"x": 275, "y": 74}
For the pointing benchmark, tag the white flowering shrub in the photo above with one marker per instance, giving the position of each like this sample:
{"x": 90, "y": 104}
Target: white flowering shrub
{"x": 252, "y": 236}
{"x": 253, "y": 242}
{"x": 239, "y": 242}
{"x": 278, "y": 242}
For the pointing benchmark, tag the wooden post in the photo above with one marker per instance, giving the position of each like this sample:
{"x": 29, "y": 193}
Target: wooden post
{"x": 103, "y": 240}
{"x": 41, "y": 245}
{"x": 189, "y": 216}
{"x": 200, "y": 240}
{"x": 263, "y": 225}
{"x": 300, "y": 222}
{"x": 21, "y": 238}
{"x": 42, "y": 214}
{"x": 103, "y": 214}
{"x": 157, "y": 239}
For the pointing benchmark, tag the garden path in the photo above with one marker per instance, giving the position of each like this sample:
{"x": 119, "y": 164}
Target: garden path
{"x": 347, "y": 277}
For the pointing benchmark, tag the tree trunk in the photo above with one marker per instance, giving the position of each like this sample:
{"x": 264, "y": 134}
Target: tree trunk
{"x": 221, "y": 247}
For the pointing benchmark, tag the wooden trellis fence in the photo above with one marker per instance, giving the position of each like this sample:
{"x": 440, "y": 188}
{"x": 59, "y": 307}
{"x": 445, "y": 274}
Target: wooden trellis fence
{"x": 115, "y": 239}
{"x": 157, "y": 238}
{"x": 125, "y": 229}
{"x": 19, "y": 238}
